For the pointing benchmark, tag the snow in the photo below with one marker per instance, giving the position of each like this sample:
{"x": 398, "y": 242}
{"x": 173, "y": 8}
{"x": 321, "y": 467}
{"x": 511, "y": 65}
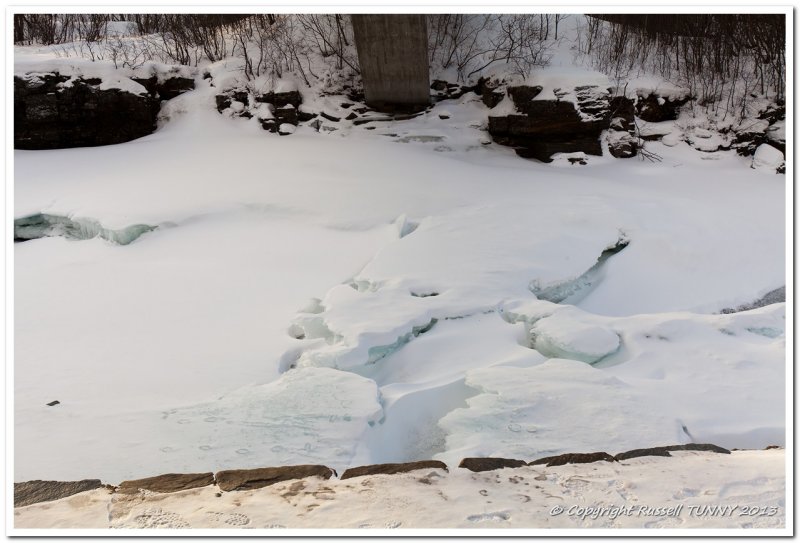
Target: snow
{"x": 567, "y": 339}
{"x": 767, "y": 158}
{"x": 745, "y": 489}
{"x": 32, "y": 62}
{"x": 246, "y": 235}
{"x": 332, "y": 297}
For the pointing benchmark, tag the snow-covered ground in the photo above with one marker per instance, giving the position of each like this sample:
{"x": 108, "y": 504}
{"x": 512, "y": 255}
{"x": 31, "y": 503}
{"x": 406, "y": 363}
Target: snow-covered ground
{"x": 408, "y": 292}
{"x": 692, "y": 490}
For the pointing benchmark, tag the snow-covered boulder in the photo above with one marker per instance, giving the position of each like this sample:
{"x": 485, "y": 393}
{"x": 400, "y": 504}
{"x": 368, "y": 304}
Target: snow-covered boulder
{"x": 768, "y": 158}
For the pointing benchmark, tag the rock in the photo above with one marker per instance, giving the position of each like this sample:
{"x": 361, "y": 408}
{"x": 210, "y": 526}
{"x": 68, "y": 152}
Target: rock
{"x": 223, "y": 102}
{"x": 439, "y": 85}
{"x": 768, "y": 158}
{"x": 286, "y": 128}
{"x": 356, "y": 95}
{"x": 269, "y": 125}
{"x": 573, "y": 159}
{"x": 749, "y": 136}
{"x": 546, "y": 127}
{"x": 351, "y": 117}
{"x": 345, "y": 105}
{"x": 622, "y": 113}
{"x": 330, "y": 117}
{"x": 489, "y": 464}
{"x": 523, "y": 95}
{"x": 31, "y": 492}
{"x": 303, "y": 116}
{"x": 655, "y": 109}
{"x": 166, "y": 89}
{"x": 776, "y": 135}
{"x": 241, "y": 96}
{"x": 249, "y": 479}
{"x": 52, "y": 116}
{"x": 708, "y": 447}
{"x": 773, "y": 113}
{"x": 486, "y": 90}
{"x": 622, "y": 144}
{"x": 492, "y": 98}
{"x": 390, "y": 469}
{"x": 443, "y": 116}
{"x": 54, "y": 402}
{"x": 771, "y": 447}
{"x": 574, "y": 458}
{"x": 594, "y": 103}
{"x": 169, "y": 482}
{"x": 281, "y": 99}
{"x": 286, "y": 115}
{"x": 636, "y": 453}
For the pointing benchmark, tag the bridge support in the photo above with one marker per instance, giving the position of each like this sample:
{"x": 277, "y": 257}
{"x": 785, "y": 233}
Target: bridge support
{"x": 393, "y": 55}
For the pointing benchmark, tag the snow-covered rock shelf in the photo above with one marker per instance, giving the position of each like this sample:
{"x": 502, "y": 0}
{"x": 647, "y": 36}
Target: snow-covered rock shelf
{"x": 744, "y": 490}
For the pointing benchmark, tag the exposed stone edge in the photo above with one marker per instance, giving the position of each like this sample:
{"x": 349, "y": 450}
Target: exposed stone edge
{"x": 661, "y": 451}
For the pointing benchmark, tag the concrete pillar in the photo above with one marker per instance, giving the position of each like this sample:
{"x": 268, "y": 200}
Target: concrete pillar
{"x": 393, "y": 55}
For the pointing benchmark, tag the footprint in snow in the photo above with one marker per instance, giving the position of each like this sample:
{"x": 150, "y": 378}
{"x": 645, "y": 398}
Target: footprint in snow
{"x": 492, "y": 517}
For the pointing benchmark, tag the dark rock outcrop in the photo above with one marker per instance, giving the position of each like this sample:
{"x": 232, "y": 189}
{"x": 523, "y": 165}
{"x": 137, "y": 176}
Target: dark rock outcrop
{"x": 486, "y": 89}
{"x": 304, "y": 116}
{"x": 707, "y": 447}
{"x": 390, "y": 469}
{"x": 281, "y": 99}
{"x": 489, "y": 464}
{"x": 286, "y": 114}
{"x": 655, "y": 109}
{"x": 546, "y": 127}
{"x": 31, "y": 492}
{"x": 169, "y": 482}
{"x": 50, "y": 114}
{"x": 637, "y": 453}
{"x": 249, "y": 479}
{"x": 168, "y": 88}
{"x": 622, "y": 144}
{"x": 573, "y": 458}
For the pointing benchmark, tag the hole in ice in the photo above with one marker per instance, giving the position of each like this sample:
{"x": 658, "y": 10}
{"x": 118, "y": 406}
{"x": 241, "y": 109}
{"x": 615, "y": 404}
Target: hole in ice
{"x": 44, "y": 225}
{"x": 405, "y": 226}
{"x": 424, "y": 294}
{"x": 574, "y": 290}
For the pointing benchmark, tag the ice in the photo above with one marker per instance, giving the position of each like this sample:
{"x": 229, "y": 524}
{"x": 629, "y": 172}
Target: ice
{"x": 556, "y": 337}
{"x": 523, "y": 412}
{"x": 42, "y": 225}
{"x": 277, "y": 259}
